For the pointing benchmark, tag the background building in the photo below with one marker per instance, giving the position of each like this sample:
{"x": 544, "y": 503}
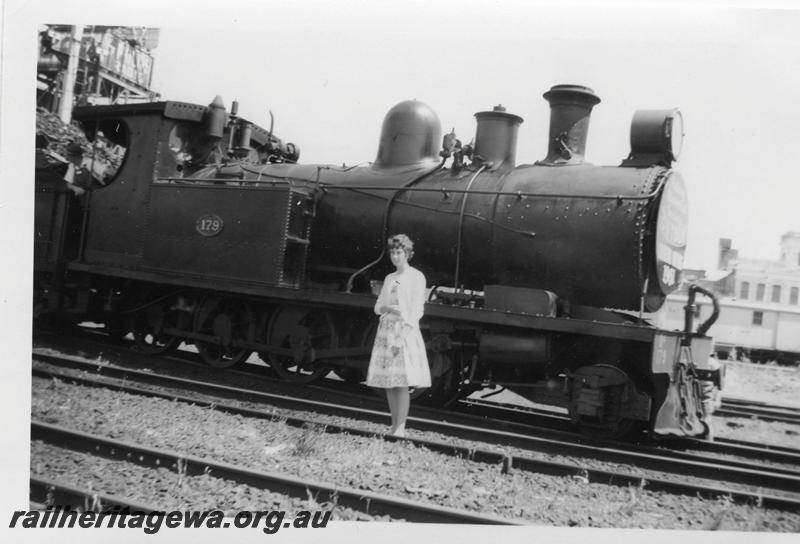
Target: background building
{"x": 94, "y": 65}
{"x": 772, "y": 282}
{"x": 759, "y": 303}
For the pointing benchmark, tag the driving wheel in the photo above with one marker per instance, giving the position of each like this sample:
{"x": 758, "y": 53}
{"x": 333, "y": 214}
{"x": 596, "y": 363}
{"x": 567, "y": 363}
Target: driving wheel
{"x": 229, "y": 321}
{"x": 149, "y": 325}
{"x": 303, "y": 331}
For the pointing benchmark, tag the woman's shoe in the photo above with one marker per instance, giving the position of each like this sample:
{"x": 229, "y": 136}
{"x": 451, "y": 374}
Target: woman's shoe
{"x": 399, "y": 433}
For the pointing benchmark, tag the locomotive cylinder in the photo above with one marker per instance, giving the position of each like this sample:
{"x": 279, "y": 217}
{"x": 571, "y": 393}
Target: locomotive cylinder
{"x": 516, "y": 349}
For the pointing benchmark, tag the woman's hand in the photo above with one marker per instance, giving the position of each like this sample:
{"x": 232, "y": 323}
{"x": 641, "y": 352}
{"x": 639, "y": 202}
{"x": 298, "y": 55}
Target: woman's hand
{"x": 390, "y": 309}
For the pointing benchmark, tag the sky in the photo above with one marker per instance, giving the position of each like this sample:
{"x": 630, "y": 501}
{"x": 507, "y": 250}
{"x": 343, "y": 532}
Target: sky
{"x": 329, "y": 71}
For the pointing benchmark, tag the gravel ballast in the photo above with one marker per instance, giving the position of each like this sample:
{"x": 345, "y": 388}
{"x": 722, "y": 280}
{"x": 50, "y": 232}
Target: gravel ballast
{"x": 397, "y": 468}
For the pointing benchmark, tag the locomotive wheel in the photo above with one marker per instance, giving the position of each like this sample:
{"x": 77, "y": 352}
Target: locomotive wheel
{"x": 302, "y": 330}
{"x": 351, "y": 375}
{"x": 149, "y": 324}
{"x": 364, "y": 339}
{"x": 611, "y": 424}
{"x": 265, "y": 315}
{"x": 117, "y": 328}
{"x": 228, "y": 320}
{"x": 444, "y": 383}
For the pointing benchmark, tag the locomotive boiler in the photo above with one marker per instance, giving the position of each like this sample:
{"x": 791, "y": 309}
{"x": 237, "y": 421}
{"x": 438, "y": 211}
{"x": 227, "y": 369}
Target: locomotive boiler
{"x": 540, "y": 275}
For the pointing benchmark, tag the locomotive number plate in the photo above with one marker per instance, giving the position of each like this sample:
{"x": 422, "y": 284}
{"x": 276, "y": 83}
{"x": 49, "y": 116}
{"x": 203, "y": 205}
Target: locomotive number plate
{"x": 209, "y": 225}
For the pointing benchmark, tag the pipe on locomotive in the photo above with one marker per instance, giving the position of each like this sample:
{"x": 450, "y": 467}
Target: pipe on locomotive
{"x": 461, "y": 223}
{"x": 690, "y": 308}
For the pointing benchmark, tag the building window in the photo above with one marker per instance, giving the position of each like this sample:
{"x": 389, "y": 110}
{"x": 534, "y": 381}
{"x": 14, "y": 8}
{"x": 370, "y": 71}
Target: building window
{"x": 758, "y": 318}
{"x": 793, "y": 292}
{"x": 745, "y": 290}
{"x": 760, "y": 288}
{"x": 776, "y": 293}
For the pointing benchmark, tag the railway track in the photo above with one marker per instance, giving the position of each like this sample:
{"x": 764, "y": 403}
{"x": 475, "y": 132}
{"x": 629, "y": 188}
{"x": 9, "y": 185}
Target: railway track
{"x": 784, "y": 481}
{"x": 544, "y": 418}
{"x": 45, "y": 492}
{"x": 473, "y": 412}
{"x": 723, "y": 446}
{"x": 188, "y": 465}
{"x": 759, "y": 410}
{"x": 547, "y": 417}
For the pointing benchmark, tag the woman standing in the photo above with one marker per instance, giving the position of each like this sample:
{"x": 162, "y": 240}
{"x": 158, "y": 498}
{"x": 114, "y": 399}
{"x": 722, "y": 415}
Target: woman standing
{"x": 398, "y": 358}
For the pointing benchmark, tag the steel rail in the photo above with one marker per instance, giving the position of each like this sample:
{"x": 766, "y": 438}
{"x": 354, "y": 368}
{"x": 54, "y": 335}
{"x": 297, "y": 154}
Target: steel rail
{"x": 511, "y": 432}
{"x": 516, "y": 418}
{"x": 778, "y": 479}
{"x": 190, "y": 465}
{"x": 731, "y": 401}
{"x": 530, "y": 464}
{"x": 769, "y": 448}
{"x": 46, "y": 493}
{"x": 477, "y": 405}
{"x": 753, "y": 414}
{"x": 759, "y": 411}
{"x": 749, "y": 450}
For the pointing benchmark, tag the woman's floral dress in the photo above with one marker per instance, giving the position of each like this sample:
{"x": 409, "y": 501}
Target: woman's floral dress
{"x": 398, "y": 354}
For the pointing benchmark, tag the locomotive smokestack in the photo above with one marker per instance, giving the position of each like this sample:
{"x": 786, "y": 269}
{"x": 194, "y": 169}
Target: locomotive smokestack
{"x": 570, "y": 110}
{"x": 496, "y": 137}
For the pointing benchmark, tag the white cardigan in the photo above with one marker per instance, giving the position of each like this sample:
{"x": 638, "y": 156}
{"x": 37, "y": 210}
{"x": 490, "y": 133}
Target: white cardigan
{"x": 410, "y": 295}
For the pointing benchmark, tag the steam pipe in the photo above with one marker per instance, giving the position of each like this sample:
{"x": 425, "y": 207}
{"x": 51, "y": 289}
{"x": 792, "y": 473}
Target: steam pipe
{"x": 688, "y": 314}
{"x": 386, "y": 223}
{"x": 461, "y": 222}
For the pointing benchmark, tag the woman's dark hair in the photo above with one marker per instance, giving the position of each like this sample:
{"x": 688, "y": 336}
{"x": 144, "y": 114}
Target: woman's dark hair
{"x": 403, "y": 242}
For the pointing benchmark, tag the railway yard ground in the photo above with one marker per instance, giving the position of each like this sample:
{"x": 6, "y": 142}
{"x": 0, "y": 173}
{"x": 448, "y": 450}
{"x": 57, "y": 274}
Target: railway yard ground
{"x": 768, "y": 383}
{"x": 364, "y": 462}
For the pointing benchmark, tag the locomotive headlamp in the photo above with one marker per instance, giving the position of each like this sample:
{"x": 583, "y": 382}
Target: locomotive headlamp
{"x": 656, "y": 137}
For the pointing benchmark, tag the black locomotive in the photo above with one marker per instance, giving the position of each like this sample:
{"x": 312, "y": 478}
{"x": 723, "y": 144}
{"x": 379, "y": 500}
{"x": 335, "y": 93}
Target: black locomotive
{"x": 207, "y": 231}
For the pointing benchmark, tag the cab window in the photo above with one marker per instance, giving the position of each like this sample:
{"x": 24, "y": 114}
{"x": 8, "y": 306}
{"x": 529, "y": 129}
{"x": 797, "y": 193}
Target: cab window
{"x": 109, "y": 141}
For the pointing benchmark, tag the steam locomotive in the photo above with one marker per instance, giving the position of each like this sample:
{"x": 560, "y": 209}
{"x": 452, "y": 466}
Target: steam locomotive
{"x": 209, "y": 232}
